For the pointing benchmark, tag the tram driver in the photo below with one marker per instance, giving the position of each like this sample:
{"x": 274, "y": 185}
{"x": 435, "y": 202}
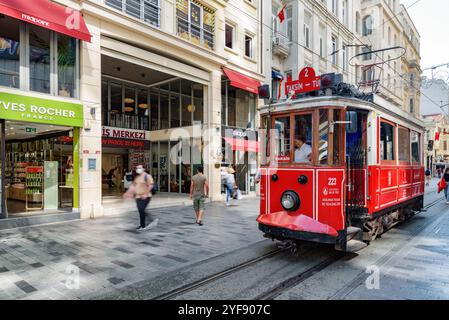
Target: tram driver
{"x": 303, "y": 151}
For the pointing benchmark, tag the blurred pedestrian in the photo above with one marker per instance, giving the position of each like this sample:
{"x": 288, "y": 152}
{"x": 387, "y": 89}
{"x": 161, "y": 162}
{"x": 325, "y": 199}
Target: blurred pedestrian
{"x": 229, "y": 182}
{"x": 446, "y": 189}
{"x": 199, "y": 191}
{"x": 141, "y": 191}
{"x": 428, "y": 176}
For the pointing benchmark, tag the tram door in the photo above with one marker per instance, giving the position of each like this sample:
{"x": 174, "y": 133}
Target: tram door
{"x": 356, "y": 162}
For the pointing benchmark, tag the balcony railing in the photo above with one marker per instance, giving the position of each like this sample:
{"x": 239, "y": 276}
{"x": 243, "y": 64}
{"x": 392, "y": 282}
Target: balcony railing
{"x": 280, "y": 45}
{"x": 128, "y": 121}
{"x": 148, "y": 11}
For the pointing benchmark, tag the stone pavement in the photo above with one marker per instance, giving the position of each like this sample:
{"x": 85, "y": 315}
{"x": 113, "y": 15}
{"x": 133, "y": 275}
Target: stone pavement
{"x": 411, "y": 261}
{"x": 43, "y": 262}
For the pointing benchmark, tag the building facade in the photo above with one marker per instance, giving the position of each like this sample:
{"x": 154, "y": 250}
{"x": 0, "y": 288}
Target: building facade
{"x": 319, "y": 34}
{"x": 155, "y": 82}
{"x": 385, "y": 24}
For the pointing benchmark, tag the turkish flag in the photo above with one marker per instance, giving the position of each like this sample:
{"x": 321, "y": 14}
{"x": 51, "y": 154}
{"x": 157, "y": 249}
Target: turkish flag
{"x": 281, "y": 14}
{"x": 437, "y": 136}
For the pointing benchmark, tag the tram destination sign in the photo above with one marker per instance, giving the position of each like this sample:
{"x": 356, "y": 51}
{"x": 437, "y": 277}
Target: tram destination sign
{"x": 308, "y": 81}
{"x": 31, "y": 109}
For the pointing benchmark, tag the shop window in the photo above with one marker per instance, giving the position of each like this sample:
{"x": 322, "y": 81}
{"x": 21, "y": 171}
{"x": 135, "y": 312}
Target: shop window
{"x": 386, "y": 141}
{"x": 116, "y": 100}
{"x": 187, "y": 105}
{"x": 303, "y": 139}
{"x": 164, "y": 107}
{"x": 39, "y": 62}
{"x": 9, "y": 52}
{"x": 281, "y": 139}
{"x": 105, "y": 102}
{"x": 416, "y": 139}
{"x": 154, "y": 108}
{"x": 195, "y": 22}
{"x": 198, "y": 102}
{"x": 142, "y": 110}
{"x": 146, "y": 10}
{"x": 404, "y": 144}
{"x": 175, "y": 117}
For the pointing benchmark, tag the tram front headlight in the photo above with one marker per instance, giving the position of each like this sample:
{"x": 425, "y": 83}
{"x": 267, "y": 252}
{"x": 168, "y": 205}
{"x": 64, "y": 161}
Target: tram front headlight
{"x": 290, "y": 201}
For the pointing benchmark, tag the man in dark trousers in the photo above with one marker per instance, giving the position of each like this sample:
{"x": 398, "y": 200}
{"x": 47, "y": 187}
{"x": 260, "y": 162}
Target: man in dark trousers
{"x": 199, "y": 190}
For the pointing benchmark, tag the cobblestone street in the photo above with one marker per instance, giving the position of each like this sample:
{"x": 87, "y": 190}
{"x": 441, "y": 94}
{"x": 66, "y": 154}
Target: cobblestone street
{"x": 37, "y": 262}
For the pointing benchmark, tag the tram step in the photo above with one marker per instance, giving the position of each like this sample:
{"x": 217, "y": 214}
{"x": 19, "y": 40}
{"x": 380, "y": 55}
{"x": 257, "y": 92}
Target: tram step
{"x": 353, "y": 230}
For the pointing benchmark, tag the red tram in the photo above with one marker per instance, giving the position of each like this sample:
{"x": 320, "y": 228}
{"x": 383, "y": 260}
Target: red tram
{"x": 338, "y": 166}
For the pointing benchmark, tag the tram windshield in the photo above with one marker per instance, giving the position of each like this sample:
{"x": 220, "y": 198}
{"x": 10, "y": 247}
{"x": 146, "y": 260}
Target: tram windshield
{"x": 291, "y": 138}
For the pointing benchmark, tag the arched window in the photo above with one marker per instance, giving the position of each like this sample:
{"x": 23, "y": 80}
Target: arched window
{"x": 367, "y": 26}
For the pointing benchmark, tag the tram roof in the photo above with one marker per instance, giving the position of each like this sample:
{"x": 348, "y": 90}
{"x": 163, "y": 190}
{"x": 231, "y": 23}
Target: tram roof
{"x": 379, "y": 105}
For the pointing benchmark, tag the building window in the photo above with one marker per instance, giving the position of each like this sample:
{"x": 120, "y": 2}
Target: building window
{"x": 367, "y": 26}
{"x": 146, "y": 10}
{"x": 345, "y": 57}
{"x": 67, "y": 72}
{"x": 196, "y": 23}
{"x": 307, "y": 36}
{"x": 50, "y": 59}
{"x": 170, "y": 105}
{"x": 229, "y": 36}
{"x": 367, "y": 53}
{"x": 39, "y": 62}
{"x": 344, "y": 13}
{"x": 289, "y": 23}
{"x": 321, "y": 48}
{"x": 334, "y": 49}
{"x": 335, "y": 7}
{"x": 248, "y": 46}
{"x": 386, "y": 141}
{"x": 10, "y": 52}
{"x": 412, "y": 107}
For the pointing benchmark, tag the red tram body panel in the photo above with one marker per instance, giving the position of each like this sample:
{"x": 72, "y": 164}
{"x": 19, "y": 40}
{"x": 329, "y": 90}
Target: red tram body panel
{"x": 363, "y": 172}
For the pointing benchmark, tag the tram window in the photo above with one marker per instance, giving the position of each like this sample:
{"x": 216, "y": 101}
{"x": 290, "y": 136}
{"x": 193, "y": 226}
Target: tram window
{"x": 386, "y": 141}
{"x": 282, "y": 136}
{"x": 337, "y": 138}
{"x": 323, "y": 131}
{"x": 415, "y": 147}
{"x": 303, "y": 138}
{"x": 404, "y": 144}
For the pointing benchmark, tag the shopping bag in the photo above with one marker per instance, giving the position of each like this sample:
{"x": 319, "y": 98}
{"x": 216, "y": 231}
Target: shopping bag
{"x": 442, "y": 185}
{"x": 239, "y": 194}
{"x": 129, "y": 194}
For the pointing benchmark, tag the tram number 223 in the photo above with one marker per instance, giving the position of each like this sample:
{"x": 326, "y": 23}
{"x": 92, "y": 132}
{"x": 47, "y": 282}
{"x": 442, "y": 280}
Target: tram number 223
{"x": 332, "y": 181}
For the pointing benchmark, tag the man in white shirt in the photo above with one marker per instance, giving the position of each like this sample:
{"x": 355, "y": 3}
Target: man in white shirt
{"x": 303, "y": 152}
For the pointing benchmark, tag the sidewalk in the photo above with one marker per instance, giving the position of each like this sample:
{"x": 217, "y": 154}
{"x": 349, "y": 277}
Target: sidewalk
{"x": 42, "y": 262}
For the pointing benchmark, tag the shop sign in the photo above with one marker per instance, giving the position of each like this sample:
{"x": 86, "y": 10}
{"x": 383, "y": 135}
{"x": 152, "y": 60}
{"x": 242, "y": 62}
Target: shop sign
{"x": 111, "y": 132}
{"x": 238, "y": 133}
{"x": 38, "y": 110}
{"x": 306, "y": 82}
{"x": 125, "y": 143}
{"x": 30, "y": 130}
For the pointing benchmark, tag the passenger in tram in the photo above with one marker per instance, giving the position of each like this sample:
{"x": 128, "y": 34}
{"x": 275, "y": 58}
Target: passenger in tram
{"x": 303, "y": 151}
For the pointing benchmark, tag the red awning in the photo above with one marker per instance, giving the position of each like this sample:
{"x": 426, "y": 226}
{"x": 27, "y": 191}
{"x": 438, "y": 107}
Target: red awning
{"x": 241, "y": 81}
{"x": 49, "y": 15}
{"x": 243, "y": 145}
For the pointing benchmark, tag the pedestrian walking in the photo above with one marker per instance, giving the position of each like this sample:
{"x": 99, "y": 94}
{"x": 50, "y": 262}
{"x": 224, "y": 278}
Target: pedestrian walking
{"x": 199, "y": 191}
{"x": 141, "y": 191}
{"x": 428, "y": 176}
{"x": 229, "y": 182}
{"x": 446, "y": 180}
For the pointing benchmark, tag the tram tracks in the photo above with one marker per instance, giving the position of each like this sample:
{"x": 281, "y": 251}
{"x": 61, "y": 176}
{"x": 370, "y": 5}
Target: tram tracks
{"x": 275, "y": 290}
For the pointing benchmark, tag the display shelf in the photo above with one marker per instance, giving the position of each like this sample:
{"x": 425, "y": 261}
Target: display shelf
{"x": 34, "y": 187}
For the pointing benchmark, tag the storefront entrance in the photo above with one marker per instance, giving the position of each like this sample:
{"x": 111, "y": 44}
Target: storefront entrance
{"x": 38, "y": 172}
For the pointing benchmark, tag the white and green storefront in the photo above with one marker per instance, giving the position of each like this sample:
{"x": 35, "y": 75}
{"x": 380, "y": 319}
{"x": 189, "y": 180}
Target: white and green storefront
{"x": 39, "y": 155}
